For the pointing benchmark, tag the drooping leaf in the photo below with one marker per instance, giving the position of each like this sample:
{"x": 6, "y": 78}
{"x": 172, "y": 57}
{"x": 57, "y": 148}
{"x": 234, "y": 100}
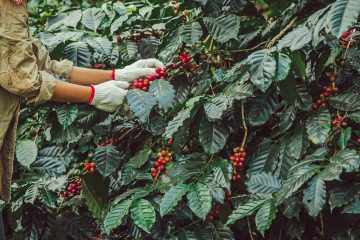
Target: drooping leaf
{"x": 266, "y": 152}
{"x": 315, "y": 196}
{"x": 143, "y": 214}
{"x": 262, "y": 69}
{"x": 191, "y": 33}
{"x": 223, "y": 28}
{"x": 128, "y": 50}
{"x": 141, "y": 103}
{"x": 265, "y": 215}
{"x": 347, "y": 159}
{"x": 342, "y": 15}
{"x": 261, "y": 108}
{"x": 339, "y": 196}
{"x": 318, "y": 126}
{"x": 345, "y": 135}
{"x": 212, "y": 136}
{"x": 283, "y": 65}
{"x": 164, "y": 93}
{"x": 296, "y": 39}
{"x": 26, "y": 152}
{"x": 92, "y": 18}
{"x": 223, "y": 173}
{"x": 101, "y": 45}
{"x": 140, "y": 159}
{"x": 215, "y": 108}
{"x": 78, "y": 53}
{"x": 66, "y": 114}
{"x": 116, "y": 214}
{"x": 199, "y": 199}
{"x": 107, "y": 159}
{"x": 172, "y": 197}
{"x": 245, "y": 209}
{"x": 95, "y": 192}
{"x": 177, "y": 122}
{"x": 294, "y": 181}
{"x": 345, "y": 102}
{"x": 263, "y": 183}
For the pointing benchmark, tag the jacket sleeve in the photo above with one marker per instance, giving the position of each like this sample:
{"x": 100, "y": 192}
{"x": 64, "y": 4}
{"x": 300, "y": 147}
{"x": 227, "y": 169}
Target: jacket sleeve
{"x": 23, "y": 76}
{"x": 62, "y": 68}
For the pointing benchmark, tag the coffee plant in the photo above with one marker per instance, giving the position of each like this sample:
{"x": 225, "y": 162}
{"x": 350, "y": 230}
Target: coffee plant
{"x": 251, "y": 132}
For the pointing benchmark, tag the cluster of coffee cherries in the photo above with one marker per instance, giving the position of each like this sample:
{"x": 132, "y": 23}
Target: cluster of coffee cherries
{"x": 143, "y": 84}
{"x": 215, "y": 212}
{"x": 89, "y": 167}
{"x": 339, "y": 122}
{"x": 227, "y": 195}
{"x": 238, "y": 162}
{"x": 163, "y": 158}
{"x": 327, "y": 92}
{"x": 115, "y": 140}
{"x": 184, "y": 57}
{"x": 73, "y": 189}
{"x": 344, "y": 38}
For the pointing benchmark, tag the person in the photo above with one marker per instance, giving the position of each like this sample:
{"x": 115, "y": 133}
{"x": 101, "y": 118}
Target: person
{"x": 26, "y": 71}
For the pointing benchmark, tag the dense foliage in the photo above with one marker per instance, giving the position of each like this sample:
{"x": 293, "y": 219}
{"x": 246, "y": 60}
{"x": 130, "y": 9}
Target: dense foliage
{"x": 255, "y": 135}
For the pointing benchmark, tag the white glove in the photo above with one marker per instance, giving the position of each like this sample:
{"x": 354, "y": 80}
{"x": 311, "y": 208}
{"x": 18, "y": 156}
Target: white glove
{"x": 110, "y": 95}
{"x": 138, "y": 69}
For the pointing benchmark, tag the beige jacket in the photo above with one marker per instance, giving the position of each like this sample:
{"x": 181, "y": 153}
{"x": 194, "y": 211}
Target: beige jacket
{"x": 25, "y": 69}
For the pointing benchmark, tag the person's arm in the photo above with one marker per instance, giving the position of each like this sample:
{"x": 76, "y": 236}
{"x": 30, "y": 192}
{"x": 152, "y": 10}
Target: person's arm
{"x": 86, "y": 76}
{"x": 68, "y": 92}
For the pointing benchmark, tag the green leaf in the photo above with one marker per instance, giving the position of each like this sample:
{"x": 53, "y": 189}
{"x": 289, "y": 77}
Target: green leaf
{"x": 73, "y": 18}
{"x": 345, "y": 102}
{"x": 342, "y": 195}
{"x": 172, "y": 197}
{"x": 347, "y": 159}
{"x": 178, "y": 121}
{"x": 294, "y": 181}
{"x": 296, "y": 39}
{"x": 92, "y": 18}
{"x": 223, "y": 28}
{"x": 66, "y": 114}
{"x": 342, "y": 15}
{"x": 353, "y": 208}
{"x": 143, "y": 214}
{"x": 217, "y": 192}
{"x": 128, "y": 50}
{"x": 141, "y": 103}
{"x": 101, "y": 45}
{"x": 283, "y": 66}
{"x": 318, "y": 126}
{"x": 116, "y": 214}
{"x": 215, "y": 108}
{"x": 245, "y": 210}
{"x": 261, "y": 108}
{"x": 95, "y": 192}
{"x": 212, "y": 136}
{"x": 164, "y": 92}
{"x": 26, "y": 152}
{"x": 53, "y": 160}
{"x": 223, "y": 173}
{"x": 78, "y": 53}
{"x": 199, "y": 199}
{"x": 287, "y": 118}
{"x": 240, "y": 91}
{"x": 262, "y": 69}
{"x": 266, "y": 152}
{"x": 355, "y": 116}
{"x": 191, "y": 33}
{"x": 345, "y": 135}
{"x": 263, "y": 183}
{"x": 118, "y": 23}
{"x": 265, "y": 216}
{"x": 299, "y": 64}
{"x": 315, "y": 196}
{"x": 140, "y": 159}
{"x": 107, "y": 159}
{"x": 32, "y": 193}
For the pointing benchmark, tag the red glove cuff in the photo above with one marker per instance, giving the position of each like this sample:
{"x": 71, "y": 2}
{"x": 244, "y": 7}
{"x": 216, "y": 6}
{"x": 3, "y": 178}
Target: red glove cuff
{"x": 92, "y": 95}
{"x": 113, "y": 74}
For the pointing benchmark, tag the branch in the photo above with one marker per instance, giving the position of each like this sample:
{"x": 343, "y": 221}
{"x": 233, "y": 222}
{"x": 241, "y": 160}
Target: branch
{"x": 277, "y": 37}
{"x": 244, "y": 124}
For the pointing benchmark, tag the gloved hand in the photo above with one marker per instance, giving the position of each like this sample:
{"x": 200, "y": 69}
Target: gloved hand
{"x": 138, "y": 69}
{"x": 109, "y": 96}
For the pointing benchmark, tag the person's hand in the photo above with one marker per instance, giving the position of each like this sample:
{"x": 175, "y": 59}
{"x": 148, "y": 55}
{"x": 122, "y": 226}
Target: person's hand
{"x": 109, "y": 96}
{"x": 138, "y": 69}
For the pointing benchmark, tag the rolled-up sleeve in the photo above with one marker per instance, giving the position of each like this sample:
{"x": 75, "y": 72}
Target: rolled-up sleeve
{"x": 62, "y": 68}
{"x": 23, "y": 76}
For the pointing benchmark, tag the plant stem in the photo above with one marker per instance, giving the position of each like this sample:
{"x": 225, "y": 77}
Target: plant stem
{"x": 277, "y": 37}
{"x": 322, "y": 224}
{"x": 187, "y": 226}
{"x": 244, "y": 124}
{"x": 249, "y": 228}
